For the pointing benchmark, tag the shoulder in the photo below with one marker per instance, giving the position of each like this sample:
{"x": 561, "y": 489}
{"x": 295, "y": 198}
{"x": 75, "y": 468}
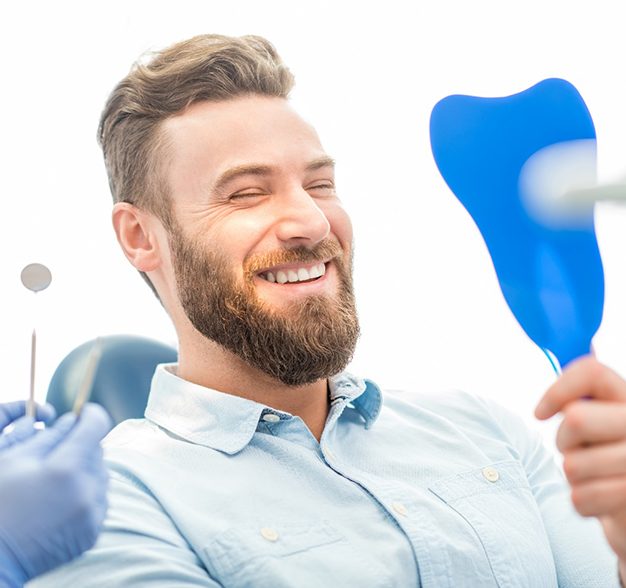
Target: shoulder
{"x": 131, "y": 432}
{"x": 450, "y": 403}
{"x": 469, "y": 413}
{"x": 140, "y": 450}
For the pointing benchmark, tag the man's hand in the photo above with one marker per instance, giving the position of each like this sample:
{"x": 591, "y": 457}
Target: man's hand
{"x": 52, "y": 491}
{"x": 592, "y": 438}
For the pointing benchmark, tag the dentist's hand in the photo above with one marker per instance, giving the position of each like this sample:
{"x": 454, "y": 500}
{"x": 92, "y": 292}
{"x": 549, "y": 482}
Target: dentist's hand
{"x": 52, "y": 490}
{"x": 592, "y": 438}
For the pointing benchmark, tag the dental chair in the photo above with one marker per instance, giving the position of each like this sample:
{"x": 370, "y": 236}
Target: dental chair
{"x": 122, "y": 379}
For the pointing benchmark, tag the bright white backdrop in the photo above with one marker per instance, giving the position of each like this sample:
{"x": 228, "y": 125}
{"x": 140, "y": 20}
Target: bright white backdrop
{"x": 368, "y": 75}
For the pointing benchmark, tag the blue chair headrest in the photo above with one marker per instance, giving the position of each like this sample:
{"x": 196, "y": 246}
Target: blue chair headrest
{"x": 122, "y": 379}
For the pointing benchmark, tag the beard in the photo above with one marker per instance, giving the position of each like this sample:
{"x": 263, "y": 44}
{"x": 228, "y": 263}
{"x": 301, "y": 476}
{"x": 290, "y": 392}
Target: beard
{"x": 301, "y": 343}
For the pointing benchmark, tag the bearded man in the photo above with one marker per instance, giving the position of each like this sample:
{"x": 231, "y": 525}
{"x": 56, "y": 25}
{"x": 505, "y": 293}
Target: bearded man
{"x": 260, "y": 462}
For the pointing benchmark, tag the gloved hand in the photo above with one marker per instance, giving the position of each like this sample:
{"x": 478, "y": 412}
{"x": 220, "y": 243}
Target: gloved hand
{"x": 13, "y": 413}
{"x": 52, "y": 491}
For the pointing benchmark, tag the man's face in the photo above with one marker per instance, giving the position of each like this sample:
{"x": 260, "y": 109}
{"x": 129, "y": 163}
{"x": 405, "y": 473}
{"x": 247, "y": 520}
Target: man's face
{"x": 261, "y": 247}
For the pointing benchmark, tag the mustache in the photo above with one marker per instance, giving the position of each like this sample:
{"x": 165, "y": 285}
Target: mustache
{"x": 323, "y": 251}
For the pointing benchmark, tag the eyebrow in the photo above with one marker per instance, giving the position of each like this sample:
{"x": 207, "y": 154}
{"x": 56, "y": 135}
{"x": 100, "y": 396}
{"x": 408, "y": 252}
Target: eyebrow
{"x": 264, "y": 170}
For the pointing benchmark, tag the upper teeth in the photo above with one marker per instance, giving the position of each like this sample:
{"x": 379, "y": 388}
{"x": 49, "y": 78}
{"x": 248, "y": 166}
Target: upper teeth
{"x": 300, "y": 274}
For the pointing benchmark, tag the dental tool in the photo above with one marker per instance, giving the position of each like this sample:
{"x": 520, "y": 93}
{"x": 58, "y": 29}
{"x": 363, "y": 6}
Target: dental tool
{"x": 36, "y": 277}
{"x": 93, "y": 360}
{"x": 559, "y": 185}
{"x": 509, "y": 160}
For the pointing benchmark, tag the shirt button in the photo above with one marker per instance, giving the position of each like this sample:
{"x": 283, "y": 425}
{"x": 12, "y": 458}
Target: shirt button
{"x": 271, "y": 417}
{"x": 491, "y": 474}
{"x": 269, "y": 534}
{"x": 400, "y": 508}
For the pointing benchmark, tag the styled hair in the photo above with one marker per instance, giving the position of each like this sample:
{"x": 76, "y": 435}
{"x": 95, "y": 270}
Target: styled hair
{"x": 205, "y": 67}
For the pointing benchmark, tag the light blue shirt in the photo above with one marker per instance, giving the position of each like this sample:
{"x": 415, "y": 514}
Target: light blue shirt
{"x": 438, "y": 491}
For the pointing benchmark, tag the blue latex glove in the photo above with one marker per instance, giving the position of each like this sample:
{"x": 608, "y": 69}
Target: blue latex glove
{"x": 52, "y": 490}
{"x": 13, "y": 413}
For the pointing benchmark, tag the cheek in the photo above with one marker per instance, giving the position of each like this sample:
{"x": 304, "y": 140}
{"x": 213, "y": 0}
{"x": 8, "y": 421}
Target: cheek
{"x": 240, "y": 234}
{"x": 340, "y": 224}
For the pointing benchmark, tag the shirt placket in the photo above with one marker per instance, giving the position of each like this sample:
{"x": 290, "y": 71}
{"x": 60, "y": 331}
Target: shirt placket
{"x": 411, "y": 518}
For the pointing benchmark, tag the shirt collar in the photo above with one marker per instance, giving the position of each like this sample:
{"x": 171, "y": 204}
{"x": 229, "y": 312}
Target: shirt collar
{"x": 226, "y": 422}
{"x": 363, "y": 394}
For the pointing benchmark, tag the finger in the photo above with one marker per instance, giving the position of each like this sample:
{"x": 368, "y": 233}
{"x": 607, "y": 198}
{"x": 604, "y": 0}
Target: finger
{"x": 600, "y": 497}
{"x": 46, "y": 413}
{"x": 614, "y": 526}
{"x": 90, "y": 428}
{"x": 45, "y": 441}
{"x": 11, "y": 411}
{"x": 585, "y": 377}
{"x": 600, "y": 461}
{"x": 590, "y": 422}
{"x": 22, "y": 429}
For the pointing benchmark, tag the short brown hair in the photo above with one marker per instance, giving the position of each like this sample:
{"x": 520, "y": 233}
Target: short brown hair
{"x": 205, "y": 67}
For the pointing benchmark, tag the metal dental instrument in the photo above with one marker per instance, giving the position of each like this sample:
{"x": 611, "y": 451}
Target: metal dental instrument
{"x": 86, "y": 384}
{"x": 609, "y": 192}
{"x": 36, "y": 277}
{"x": 560, "y": 180}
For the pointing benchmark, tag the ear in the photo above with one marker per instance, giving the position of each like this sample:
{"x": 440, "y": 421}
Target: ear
{"x": 137, "y": 233}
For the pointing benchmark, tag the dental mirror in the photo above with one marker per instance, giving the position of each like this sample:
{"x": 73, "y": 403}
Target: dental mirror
{"x": 550, "y": 273}
{"x": 36, "y": 277}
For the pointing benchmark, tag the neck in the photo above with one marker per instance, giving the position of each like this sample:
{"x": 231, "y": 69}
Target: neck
{"x": 207, "y": 364}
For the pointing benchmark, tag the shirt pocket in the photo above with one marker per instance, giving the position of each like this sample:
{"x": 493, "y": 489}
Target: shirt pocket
{"x": 291, "y": 554}
{"x": 497, "y": 503}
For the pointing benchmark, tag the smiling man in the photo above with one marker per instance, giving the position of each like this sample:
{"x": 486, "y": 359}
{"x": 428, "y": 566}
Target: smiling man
{"x": 257, "y": 276}
{"x": 260, "y": 462}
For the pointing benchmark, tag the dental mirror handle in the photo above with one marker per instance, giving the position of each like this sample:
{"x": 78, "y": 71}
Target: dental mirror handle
{"x": 30, "y": 405}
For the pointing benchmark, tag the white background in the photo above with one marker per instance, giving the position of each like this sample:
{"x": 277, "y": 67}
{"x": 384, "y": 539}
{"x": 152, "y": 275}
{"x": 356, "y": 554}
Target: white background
{"x": 368, "y": 75}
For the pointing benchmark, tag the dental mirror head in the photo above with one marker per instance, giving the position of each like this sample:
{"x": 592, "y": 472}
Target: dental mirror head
{"x": 36, "y": 277}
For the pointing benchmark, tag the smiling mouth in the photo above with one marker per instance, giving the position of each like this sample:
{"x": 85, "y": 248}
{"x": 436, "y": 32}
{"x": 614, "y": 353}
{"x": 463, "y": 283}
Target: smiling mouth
{"x": 294, "y": 274}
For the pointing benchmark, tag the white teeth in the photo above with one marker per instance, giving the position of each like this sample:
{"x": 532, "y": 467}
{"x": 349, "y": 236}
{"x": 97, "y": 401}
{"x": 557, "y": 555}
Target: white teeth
{"x": 317, "y": 270}
{"x": 300, "y": 275}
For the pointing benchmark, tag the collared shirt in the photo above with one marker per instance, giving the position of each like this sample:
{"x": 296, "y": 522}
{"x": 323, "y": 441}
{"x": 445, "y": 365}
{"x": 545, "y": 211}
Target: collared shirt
{"x": 433, "y": 490}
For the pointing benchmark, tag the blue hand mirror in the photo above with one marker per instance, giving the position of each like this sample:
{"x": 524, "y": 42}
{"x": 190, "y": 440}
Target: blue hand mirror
{"x": 550, "y": 273}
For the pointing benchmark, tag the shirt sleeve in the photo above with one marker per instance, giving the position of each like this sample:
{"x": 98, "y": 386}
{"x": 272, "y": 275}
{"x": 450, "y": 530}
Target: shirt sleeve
{"x": 139, "y": 546}
{"x": 582, "y": 556}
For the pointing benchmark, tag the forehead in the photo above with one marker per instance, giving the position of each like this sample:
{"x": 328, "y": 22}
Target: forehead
{"x": 213, "y": 136}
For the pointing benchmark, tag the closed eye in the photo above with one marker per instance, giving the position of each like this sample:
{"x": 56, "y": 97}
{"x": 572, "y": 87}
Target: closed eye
{"x": 242, "y": 195}
{"x": 326, "y": 189}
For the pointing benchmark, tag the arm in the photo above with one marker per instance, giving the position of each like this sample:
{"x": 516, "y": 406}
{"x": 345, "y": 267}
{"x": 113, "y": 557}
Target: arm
{"x": 139, "y": 546}
{"x": 592, "y": 438}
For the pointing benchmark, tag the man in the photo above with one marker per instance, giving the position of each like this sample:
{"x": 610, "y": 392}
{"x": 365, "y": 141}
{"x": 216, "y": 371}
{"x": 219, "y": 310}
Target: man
{"x": 261, "y": 463}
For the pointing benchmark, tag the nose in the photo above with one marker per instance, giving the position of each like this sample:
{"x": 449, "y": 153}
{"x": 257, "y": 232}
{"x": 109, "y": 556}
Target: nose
{"x": 300, "y": 220}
